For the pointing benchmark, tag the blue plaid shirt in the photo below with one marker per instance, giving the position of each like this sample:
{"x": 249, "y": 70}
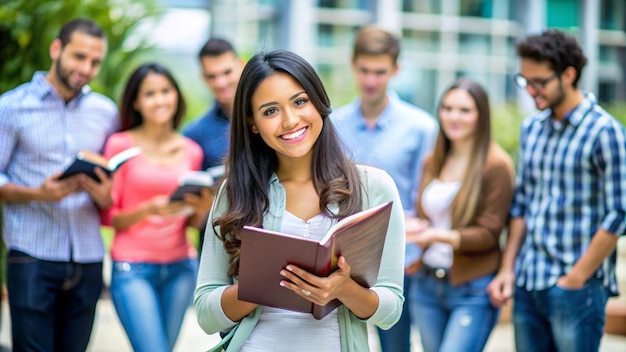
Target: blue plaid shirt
{"x": 40, "y": 134}
{"x": 571, "y": 180}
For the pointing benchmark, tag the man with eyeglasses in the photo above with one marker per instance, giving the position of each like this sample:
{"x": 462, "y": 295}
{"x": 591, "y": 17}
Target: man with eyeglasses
{"x": 569, "y": 206}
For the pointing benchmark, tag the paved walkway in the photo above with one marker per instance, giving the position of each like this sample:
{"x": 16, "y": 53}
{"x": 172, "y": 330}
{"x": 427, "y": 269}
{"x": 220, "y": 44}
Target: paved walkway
{"x": 108, "y": 335}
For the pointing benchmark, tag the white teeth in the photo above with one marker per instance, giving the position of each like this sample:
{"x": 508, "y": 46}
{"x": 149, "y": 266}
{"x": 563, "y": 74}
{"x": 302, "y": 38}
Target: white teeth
{"x": 293, "y": 135}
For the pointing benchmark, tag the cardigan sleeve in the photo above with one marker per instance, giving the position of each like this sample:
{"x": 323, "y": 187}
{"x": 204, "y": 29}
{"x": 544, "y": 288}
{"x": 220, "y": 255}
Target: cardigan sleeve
{"x": 380, "y": 188}
{"x": 213, "y": 275}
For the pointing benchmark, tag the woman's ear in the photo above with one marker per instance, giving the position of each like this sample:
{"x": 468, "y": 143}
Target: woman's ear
{"x": 253, "y": 126}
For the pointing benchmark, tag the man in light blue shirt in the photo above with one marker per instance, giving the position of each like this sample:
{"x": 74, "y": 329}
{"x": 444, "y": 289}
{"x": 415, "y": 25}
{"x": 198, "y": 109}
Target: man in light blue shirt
{"x": 51, "y": 227}
{"x": 380, "y": 129}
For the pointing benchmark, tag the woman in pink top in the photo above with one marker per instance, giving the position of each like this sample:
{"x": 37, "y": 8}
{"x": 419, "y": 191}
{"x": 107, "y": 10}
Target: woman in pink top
{"x": 154, "y": 265}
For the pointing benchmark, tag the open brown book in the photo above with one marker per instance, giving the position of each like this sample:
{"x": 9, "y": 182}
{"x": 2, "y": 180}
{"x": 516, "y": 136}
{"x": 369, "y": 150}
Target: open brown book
{"x": 359, "y": 238}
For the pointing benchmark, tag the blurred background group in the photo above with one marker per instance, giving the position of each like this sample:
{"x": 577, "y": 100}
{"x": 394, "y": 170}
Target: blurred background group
{"x": 441, "y": 40}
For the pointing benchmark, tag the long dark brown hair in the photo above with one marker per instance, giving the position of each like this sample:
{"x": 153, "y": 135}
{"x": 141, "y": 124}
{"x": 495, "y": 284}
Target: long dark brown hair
{"x": 251, "y": 162}
{"x": 466, "y": 201}
{"x": 129, "y": 116}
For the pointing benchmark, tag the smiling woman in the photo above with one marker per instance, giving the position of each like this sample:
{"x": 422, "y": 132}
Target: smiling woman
{"x": 285, "y": 117}
{"x": 286, "y": 171}
{"x": 154, "y": 264}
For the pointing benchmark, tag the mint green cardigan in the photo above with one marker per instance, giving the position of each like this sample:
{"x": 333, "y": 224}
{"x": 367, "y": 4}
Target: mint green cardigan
{"x": 213, "y": 279}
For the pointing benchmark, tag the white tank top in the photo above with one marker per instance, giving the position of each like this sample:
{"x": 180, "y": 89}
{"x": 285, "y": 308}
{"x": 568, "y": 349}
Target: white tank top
{"x": 436, "y": 202}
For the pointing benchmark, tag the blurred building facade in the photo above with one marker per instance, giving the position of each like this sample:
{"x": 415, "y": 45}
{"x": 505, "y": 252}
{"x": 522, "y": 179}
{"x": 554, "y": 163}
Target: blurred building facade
{"x": 442, "y": 39}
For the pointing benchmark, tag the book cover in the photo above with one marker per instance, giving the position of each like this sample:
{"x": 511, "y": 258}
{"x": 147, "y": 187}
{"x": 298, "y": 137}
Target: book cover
{"x": 86, "y": 161}
{"x": 194, "y": 181}
{"x": 359, "y": 238}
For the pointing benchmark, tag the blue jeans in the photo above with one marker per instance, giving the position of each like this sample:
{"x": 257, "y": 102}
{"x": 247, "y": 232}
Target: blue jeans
{"x": 398, "y": 338}
{"x": 558, "y": 319}
{"x": 151, "y": 301}
{"x": 452, "y": 318}
{"x": 52, "y": 304}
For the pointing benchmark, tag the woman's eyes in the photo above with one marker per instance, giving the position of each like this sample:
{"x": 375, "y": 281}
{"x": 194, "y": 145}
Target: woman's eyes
{"x": 163, "y": 91}
{"x": 270, "y": 111}
{"x": 300, "y": 101}
{"x": 273, "y": 110}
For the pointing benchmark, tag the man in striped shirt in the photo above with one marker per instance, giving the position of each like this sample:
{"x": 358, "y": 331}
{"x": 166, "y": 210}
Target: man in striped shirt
{"x": 51, "y": 227}
{"x": 569, "y": 206}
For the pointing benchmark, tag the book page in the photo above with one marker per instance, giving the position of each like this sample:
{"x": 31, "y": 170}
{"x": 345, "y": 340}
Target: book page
{"x": 350, "y": 220}
{"x": 123, "y": 156}
{"x": 196, "y": 178}
{"x": 361, "y": 243}
{"x": 93, "y": 158}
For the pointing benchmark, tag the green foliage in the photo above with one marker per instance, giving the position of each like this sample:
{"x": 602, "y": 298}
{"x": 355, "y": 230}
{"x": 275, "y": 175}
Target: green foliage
{"x": 27, "y": 27}
{"x": 618, "y": 111}
{"x": 506, "y": 122}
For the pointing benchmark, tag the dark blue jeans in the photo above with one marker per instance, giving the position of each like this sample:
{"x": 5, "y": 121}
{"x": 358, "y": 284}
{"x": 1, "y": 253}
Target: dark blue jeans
{"x": 398, "y": 338}
{"x": 558, "y": 319}
{"x": 52, "y": 304}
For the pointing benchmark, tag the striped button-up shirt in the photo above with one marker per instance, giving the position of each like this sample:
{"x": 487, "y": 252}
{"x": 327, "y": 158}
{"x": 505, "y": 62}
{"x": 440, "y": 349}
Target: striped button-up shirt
{"x": 40, "y": 135}
{"x": 571, "y": 181}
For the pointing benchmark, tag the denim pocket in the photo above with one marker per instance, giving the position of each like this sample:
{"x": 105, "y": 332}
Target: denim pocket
{"x": 477, "y": 286}
{"x": 572, "y": 303}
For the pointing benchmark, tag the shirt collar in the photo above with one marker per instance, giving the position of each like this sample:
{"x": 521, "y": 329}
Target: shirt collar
{"x": 384, "y": 119}
{"x": 219, "y": 112}
{"x": 577, "y": 114}
{"x": 572, "y": 117}
{"x": 42, "y": 88}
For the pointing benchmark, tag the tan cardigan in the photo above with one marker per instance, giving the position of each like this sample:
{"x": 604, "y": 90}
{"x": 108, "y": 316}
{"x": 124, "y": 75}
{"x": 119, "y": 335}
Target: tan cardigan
{"x": 479, "y": 250}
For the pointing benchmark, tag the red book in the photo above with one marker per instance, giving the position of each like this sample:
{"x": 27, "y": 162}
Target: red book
{"x": 359, "y": 238}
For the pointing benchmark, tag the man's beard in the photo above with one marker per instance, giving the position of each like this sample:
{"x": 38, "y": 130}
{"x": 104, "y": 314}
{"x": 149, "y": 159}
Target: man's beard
{"x": 63, "y": 76}
{"x": 559, "y": 99}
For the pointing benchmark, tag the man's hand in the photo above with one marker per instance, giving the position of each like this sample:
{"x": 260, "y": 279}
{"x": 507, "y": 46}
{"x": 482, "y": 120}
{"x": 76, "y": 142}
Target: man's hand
{"x": 500, "y": 289}
{"x": 53, "y": 189}
{"x": 570, "y": 282}
{"x": 100, "y": 192}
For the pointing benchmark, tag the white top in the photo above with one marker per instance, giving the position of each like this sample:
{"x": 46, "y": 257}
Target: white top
{"x": 436, "y": 202}
{"x": 285, "y": 330}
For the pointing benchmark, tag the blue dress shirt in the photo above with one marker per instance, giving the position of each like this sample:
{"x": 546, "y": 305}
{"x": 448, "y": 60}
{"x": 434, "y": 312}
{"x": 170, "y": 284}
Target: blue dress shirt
{"x": 398, "y": 143}
{"x": 40, "y": 135}
{"x": 212, "y": 133}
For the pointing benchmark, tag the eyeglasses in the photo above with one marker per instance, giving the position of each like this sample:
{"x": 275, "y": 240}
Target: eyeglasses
{"x": 535, "y": 83}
